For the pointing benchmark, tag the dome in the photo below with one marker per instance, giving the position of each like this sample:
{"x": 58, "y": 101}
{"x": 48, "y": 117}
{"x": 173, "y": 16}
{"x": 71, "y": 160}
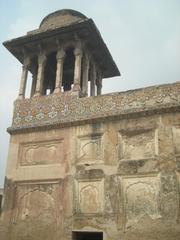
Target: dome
{"x": 61, "y": 18}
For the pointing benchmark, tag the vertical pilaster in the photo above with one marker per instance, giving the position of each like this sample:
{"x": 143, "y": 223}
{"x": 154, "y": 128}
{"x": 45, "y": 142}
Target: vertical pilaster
{"x": 59, "y": 71}
{"x": 77, "y": 69}
{"x": 24, "y": 75}
{"x": 40, "y": 75}
{"x": 85, "y": 76}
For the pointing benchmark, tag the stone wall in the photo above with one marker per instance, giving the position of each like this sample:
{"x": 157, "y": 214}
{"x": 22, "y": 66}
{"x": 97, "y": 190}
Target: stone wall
{"x": 120, "y": 176}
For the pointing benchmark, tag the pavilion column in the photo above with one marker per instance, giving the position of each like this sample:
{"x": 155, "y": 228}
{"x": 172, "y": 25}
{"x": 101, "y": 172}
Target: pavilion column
{"x": 40, "y": 74}
{"x": 93, "y": 80}
{"x": 59, "y": 70}
{"x": 85, "y": 76}
{"x": 77, "y": 69}
{"x": 99, "y": 84}
{"x": 24, "y": 75}
{"x": 33, "y": 87}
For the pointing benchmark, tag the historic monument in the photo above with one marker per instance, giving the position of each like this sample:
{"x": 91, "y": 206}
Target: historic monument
{"x": 82, "y": 165}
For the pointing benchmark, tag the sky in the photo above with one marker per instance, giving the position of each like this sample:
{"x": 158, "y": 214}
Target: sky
{"x": 143, "y": 37}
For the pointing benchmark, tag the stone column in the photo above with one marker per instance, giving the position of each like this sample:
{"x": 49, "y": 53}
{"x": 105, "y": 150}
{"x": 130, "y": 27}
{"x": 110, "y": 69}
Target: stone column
{"x": 93, "y": 80}
{"x": 99, "y": 84}
{"x": 99, "y": 88}
{"x": 33, "y": 87}
{"x": 59, "y": 71}
{"x": 85, "y": 76}
{"x": 40, "y": 74}
{"x": 24, "y": 75}
{"x": 77, "y": 69}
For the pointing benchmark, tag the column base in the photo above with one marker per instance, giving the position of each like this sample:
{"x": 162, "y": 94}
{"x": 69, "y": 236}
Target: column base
{"x": 57, "y": 90}
{"x": 76, "y": 87}
{"x": 37, "y": 94}
{"x": 20, "y": 97}
{"x": 83, "y": 94}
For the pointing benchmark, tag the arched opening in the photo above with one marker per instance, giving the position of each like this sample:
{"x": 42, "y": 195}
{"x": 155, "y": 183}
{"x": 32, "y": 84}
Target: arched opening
{"x": 50, "y": 74}
{"x": 68, "y": 70}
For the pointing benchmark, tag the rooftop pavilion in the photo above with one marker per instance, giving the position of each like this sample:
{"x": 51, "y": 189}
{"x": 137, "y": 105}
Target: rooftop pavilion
{"x": 66, "y": 53}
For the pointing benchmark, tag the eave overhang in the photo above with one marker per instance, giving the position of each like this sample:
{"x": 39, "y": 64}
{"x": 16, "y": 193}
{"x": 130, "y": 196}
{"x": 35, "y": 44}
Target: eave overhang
{"x": 86, "y": 30}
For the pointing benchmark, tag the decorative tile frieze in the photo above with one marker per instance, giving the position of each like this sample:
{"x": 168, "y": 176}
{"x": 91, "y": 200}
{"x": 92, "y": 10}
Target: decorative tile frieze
{"x": 67, "y": 108}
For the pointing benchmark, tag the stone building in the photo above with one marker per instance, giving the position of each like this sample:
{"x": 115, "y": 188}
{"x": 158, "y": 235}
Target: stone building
{"x": 82, "y": 165}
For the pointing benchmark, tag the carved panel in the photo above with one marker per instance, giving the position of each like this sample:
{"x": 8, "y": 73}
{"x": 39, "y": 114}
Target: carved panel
{"x": 90, "y": 149}
{"x": 141, "y": 196}
{"x": 38, "y": 201}
{"x": 138, "y": 144}
{"x": 39, "y": 153}
{"x": 90, "y": 197}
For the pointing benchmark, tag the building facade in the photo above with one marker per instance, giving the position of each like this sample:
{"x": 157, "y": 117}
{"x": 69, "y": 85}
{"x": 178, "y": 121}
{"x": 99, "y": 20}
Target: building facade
{"x": 82, "y": 165}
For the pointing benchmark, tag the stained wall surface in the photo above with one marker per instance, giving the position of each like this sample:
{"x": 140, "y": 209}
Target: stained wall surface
{"x": 119, "y": 176}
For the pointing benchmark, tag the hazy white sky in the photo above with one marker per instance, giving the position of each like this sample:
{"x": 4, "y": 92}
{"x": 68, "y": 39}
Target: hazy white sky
{"x": 143, "y": 37}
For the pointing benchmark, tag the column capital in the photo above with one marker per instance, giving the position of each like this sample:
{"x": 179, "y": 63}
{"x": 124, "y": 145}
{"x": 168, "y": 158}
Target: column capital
{"x": 42, "y": 58}
{"x": 58, "y": 42}
{"x": 60, "y": 54}
{"x": 26, "y": 61}
{"x": 78, "y": 51}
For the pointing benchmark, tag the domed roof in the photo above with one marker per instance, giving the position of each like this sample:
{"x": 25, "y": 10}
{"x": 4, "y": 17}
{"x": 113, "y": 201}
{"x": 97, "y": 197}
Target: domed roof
{"x": 61, "y": 18}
